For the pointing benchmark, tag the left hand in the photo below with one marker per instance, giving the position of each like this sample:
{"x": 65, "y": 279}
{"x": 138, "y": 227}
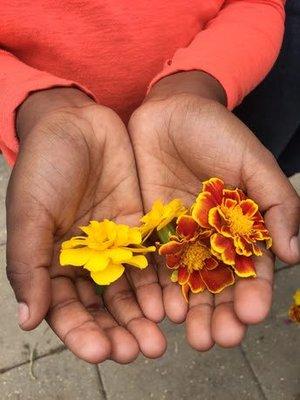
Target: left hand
{"x": 182, "y": 135}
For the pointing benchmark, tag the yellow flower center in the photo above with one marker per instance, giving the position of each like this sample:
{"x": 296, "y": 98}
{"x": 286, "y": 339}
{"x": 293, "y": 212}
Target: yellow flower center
{"x": 194, "y": 256}
{"x": 238, "y": 222}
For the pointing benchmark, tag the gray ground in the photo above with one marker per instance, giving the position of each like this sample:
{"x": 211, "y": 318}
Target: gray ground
{"x": 266, "y": 366}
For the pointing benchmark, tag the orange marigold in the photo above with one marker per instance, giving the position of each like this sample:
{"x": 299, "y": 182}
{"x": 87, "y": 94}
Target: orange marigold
{"x": 236, "y": 225}
{"x": 194, "y": 267}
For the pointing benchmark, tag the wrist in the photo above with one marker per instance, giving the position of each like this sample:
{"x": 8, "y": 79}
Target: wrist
{"x": 192, "y": 82}
{"x": 43, "y": 102}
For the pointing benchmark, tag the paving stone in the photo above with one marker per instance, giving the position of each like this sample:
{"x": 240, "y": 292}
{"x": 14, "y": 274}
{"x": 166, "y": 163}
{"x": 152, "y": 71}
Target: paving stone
{"x": 15, "y": 344}
{"x": 58, "y": 377}
{"x": 273, "y": 348}
{"x": 182, "y": 374}
{"x": 4, "y": 176}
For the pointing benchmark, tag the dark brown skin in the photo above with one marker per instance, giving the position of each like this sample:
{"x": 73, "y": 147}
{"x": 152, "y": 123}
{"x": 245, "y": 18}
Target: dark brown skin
{"x": 76, "y": 163}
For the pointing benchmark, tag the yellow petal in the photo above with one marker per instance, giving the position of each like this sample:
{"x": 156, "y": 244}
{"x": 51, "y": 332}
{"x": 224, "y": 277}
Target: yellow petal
{"x": 134, "y": 236}
{"x": 108, "y": 275}
{"x": 297, "y": 297}
{"x": 97, "y": 261}
{"x": 119, "y": 255}
{"x": 76, "y": 257}
{"x": 75, "y": 241}
{"x": 142, "y": 249}
{"x": 174, "y": 276}
{"x": 138, "y": 261}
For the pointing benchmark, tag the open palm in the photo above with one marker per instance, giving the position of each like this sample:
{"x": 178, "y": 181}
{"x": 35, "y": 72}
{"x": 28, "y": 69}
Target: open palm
{"x": 74, "y": 166}
{"x": 182, "y": 140}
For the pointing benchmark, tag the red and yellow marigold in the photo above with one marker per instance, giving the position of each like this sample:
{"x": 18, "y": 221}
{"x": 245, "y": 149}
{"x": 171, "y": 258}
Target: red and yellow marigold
{"x": 294, "y": 311}
{"x": 235, "y": 223}
{"x": 194, "y": 267}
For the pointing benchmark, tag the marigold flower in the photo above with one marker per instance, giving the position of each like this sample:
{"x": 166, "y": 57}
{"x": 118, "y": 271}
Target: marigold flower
{"x": 160, "y": 216}
{"x": 104, "y": 250}
{"x": 294, "y": 311}
{"x": 188, "y": 254}
{"x": 236, "y": 225}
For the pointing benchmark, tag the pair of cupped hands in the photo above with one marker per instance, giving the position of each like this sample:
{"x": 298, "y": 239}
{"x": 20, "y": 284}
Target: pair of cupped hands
{"x": 79, "y": 162}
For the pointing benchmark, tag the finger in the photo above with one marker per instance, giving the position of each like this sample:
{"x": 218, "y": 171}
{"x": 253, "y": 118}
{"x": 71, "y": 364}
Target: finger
{"x": 174, "y": 303}
{"x": 253, "y": 296}
{"x": 74, "y": 325}
{"x": 227, "y": 329}
{"x": 124, "y": 347}
{"x": 276, "y": 196}
{"x": 29, "y": 254}
{"x": 120, "y": 300}
{"x": 198, "y": 321}
{"x": 148, "y": 292}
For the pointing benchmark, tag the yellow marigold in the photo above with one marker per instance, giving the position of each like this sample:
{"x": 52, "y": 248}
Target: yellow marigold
{"x": 104, "y": 249}
{"x": 161, "y": 215}
{"x": 294, "y": 311}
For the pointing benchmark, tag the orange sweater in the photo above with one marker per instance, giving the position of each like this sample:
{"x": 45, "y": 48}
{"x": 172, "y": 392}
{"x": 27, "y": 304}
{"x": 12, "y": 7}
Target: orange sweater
{"x": 115, "y": 49}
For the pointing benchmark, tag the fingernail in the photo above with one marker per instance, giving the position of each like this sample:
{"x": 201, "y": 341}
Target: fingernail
{"x": 23, "y": 313}
{"x": 295, "y": 246}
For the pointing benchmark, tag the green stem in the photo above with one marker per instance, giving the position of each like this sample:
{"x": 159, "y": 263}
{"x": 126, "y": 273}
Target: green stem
{"x": 165, "y": 233}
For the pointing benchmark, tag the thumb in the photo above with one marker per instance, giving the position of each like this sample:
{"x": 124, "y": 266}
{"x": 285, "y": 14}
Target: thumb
{"x": 29, "y": 252}
{"x": 267, "y": 184}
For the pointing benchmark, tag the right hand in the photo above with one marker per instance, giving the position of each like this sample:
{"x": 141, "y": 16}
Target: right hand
{"x": 76, "y": 164}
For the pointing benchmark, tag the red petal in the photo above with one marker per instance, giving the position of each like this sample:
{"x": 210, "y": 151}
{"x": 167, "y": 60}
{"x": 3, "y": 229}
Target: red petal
{"x": 256, "y": 250}
{"x": 196, "y": 283}
{"x": 171, "y": 247}
{"x": 248, "y": 207}
{"x": 172, "y": 260}
{"x": 241, "y": 194}
{"x": 244, "y": 266}
{"x": 220, "y": 243}
{"x": 242, "y": 247}
{"x": 185, "y": 291}
{"x": 217, "y": 279}
{"x": 201, "y": 209}
{"x": 187, "y": 227}
{"x": 211, "y": 263}
{"x": 215, "y": 219}
{"x": 229, "y": 255}
{"x": 232, "y": 194}
{"x": 230, "y": 203}
{"x": 214, "y": 186}
{"x": 183, "y": 275}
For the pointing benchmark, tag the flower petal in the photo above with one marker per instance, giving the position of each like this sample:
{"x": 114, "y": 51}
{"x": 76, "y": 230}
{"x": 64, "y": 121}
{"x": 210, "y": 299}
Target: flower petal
{"x": 138, "y": 261}
{"x": 201, "y": 209}
{"x": 211, "y": 263}
{"x": 183, "y": 275}
{"x": 172, "y": 260}
{"x": 171, "y": 247}
{"x": 214, "y": 186}
{"x": 174, "y": 276}
{"x": 244, "y": 266}
{"x": 187, "y": 226}
{"x": 217, "y": 279}
{"x": 196, "y": 283}
{"x": 216, "y": 219}
{"x": 220, "y": 243}
{"x": 185, "y": 291}
{"x": 108, "y": 275}
{"x": 232, "y": 194}
{"x": 249, "y": 208}
{"x": 223, "y": 246}
{"x": 97, "y": 261}
{"x": 119, "y": 255}
{"x": 76, "y": 257}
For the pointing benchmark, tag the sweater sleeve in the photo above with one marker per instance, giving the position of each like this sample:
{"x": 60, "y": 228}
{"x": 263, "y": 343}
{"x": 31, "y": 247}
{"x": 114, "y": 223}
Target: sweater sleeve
{"x": 238, "y": 47}
{"x": 17, "y": 81}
